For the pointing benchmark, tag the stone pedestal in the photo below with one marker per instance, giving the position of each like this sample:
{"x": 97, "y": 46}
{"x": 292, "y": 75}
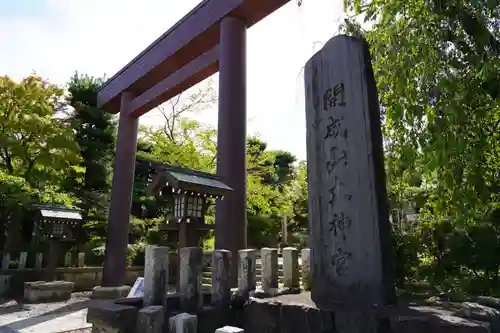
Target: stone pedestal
{"x": 150, "y": 319}
{"x": 100, "y": 292}
{"x": 305, "y": 257}
{"x": 108, "y": 317}
{"x": 155, "y": 275}
{"x": 183, "y": 323}
{"x": 191, "y": 266}
{"x": 269, "y": 271}
{"x": 221, "y": 270}
{"x": 40, "y": 291}
{"x": 291, "y": 269}
{"x": 246, "y": 272}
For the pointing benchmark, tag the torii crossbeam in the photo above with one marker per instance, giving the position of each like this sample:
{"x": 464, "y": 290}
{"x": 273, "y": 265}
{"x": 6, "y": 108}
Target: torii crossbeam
{"x": 210, "y": 38}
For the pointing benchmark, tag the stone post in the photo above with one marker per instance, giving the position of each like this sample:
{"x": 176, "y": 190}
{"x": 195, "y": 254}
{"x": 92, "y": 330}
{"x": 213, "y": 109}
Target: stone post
{"x": 305, "y": 257}
{"x": 81, "y": 259}
{"x": 67, "y": 259}
{"x": 39, "y": 261}
{"x": 183, "y": 323}
{"x": 351, "y": 246}
{"x": 5, "y": 261}
{"x": 22, "y": 260}
{"x": 229, "y": 329}
{"x": 221, "y": 270}
{"x": 246, "y": 271}
{"x": 155, "y": 275}
{"x": 290, "y": 269}
{"x": 150, "y": 319}
{"x": 191, "y": 266}
{"x": 269, "y": 270}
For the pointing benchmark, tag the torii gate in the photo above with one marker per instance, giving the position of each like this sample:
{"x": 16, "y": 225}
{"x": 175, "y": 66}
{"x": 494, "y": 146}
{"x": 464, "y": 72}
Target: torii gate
{"x": 210, "y": 38}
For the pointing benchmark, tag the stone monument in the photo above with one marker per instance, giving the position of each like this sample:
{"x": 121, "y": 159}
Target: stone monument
{"x": 351, "y": 253}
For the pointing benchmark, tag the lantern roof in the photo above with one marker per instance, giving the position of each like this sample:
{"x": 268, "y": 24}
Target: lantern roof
{"x": 187, "y": 180}
{"x": 58, "y": 214}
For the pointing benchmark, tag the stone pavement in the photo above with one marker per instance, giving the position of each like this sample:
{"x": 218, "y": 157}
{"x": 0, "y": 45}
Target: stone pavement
{"x": 69, "y": 316}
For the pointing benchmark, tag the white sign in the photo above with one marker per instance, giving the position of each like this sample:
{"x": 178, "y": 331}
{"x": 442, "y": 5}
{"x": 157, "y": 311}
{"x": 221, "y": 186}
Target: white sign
{"x": 138, "y": 288}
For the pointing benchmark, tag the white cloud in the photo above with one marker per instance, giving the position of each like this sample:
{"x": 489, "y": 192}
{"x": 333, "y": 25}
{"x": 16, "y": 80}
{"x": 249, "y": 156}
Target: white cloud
{"x": 101, "y": 36}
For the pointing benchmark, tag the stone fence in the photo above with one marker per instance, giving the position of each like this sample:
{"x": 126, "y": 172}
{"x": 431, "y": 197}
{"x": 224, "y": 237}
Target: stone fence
{"x": 14, "y": 271}
{"x": 159, "y": 309}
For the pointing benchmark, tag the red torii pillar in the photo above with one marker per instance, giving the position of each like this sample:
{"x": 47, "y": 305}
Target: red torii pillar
{"x": 231, "y": 214}
{"x": 115, "y": 255}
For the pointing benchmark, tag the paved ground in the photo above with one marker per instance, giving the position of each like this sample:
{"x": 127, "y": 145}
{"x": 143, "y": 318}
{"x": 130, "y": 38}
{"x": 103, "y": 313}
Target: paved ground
{"x": 57, "y": 317}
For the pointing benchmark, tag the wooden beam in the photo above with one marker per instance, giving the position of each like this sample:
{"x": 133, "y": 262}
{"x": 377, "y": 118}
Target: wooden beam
{"x": 198, "y": 30}
{"x": 181, "y": 80}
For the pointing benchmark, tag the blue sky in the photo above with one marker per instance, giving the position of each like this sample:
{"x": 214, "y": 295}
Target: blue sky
{"x": 55, "y": 38}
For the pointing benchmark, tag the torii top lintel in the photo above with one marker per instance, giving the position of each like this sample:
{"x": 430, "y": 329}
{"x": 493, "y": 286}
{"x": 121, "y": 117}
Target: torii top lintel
{"x": 183, "y": 56}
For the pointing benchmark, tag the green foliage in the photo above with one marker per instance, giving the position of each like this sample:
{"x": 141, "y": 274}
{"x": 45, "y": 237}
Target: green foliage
{"x": 95, "y": 132}
{"x": 437, "y": 68}
{"x": 37, "y": 151}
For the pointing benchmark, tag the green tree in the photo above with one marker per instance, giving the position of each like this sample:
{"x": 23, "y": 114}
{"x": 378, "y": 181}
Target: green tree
{"x": 95, "y": 134}
{"x": 437, "y": 66}
{"x": 37, "y": 151}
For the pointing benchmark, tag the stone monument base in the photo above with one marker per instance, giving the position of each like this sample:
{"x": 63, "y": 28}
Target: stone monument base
{"x": 42, "y": 291}
{"x": 110, "y": 292}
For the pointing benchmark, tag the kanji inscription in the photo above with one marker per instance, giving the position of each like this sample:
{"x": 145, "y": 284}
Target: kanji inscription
{"x": 348, "y": 218}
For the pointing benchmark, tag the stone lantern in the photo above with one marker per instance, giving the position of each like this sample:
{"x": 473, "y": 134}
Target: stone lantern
{"x": 190, "y": 193}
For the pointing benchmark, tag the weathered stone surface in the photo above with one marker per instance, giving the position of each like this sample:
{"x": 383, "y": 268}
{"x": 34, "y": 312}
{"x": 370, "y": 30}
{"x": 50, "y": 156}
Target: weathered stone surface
{"x": 349, "y": 227}
{"x": 269, "y": 270}
{"x": 183, "y": 323}
{"x": 4, "y": 285}
{"x": 39, "y": 261}
{"x": 100, "y": 292}
{"x": 191, "y": 266}
{"x": 480, "y": 312}
{"x": 221, "y": 269}
{"x": 108, "y": 316}
{"x": 53, "y": 291}
{"x": 67, "y": 259}
{"x": 81, "y": 259}
{"x": 131, "y": 301}
{"x": 305, "y": 256}
{"x": 274, "y": 316}
{"x": 229, "y": 329}
{"x": 418, "y": 319}
{"x": 246, "y": 271}
{"x": 291, "y": 269}
{"x": 155, "y": 275}
{"x": 298, "y": 314}
{"x": 104, "y": 329}
{"x": 492, "y": 302}
{"x": 213, "y": 317}
{"x": 5, "y": 261}
{"x": 150, "y": 319}
{"x": 22, "y": 260}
